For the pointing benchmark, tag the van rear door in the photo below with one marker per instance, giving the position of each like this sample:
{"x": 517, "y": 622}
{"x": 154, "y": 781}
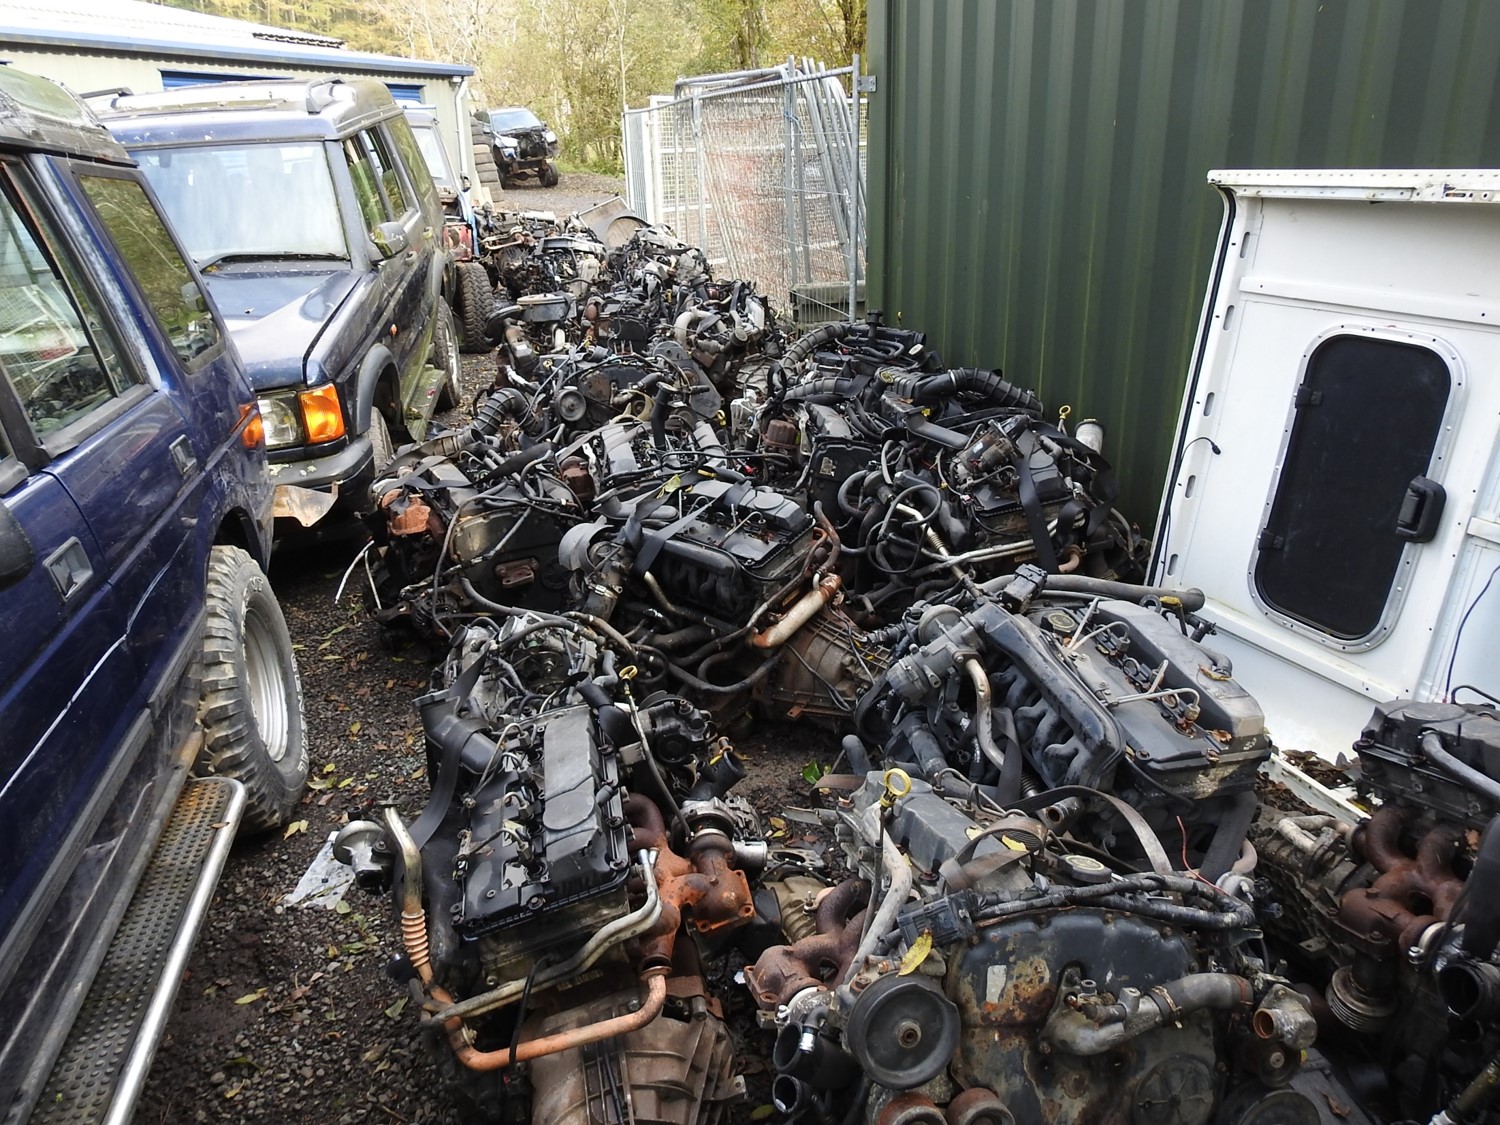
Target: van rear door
{"x": 1334, "y": 484}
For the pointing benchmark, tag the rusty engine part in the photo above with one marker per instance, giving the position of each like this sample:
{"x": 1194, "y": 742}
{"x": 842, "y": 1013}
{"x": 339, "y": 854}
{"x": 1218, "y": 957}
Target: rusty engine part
{"x": 1381, "y": 920}
{"x": 1062, "y": 988}
{"x": 548, "y": 911}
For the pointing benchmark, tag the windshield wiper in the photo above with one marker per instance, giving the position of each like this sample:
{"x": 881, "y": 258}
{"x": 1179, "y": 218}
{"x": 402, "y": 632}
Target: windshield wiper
{"x": 266, "y": 256}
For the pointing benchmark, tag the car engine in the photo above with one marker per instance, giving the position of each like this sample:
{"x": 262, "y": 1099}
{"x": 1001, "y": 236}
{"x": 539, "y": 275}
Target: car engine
{"x": 1057, "y": 885}
{"x": 1384, "y": 920}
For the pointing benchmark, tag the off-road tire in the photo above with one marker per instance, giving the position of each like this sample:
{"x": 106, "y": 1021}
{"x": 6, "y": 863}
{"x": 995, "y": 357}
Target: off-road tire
{"x": 252, "y": 695}
{"x": 550, "y": 175}
{"x": 445, "y": 359}
{"x": 476, "y": 300}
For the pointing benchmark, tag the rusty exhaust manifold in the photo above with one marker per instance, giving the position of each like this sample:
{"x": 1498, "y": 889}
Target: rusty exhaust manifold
{"x": 821, "y": 959}
{"x": 718, "y": 894}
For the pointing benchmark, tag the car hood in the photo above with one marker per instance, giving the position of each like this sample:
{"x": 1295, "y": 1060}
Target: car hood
{"x": 275, "y": 318}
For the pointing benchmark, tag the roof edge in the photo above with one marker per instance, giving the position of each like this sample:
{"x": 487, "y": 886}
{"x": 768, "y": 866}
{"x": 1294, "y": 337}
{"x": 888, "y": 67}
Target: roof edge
{"x": 284, "y": 54}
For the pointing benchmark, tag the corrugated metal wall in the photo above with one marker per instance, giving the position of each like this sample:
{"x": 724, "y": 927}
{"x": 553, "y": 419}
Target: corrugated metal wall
{"x": 1037, "y": 196}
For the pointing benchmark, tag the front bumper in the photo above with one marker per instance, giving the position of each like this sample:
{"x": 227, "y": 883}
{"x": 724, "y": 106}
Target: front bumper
{"x": 306, "y": 491}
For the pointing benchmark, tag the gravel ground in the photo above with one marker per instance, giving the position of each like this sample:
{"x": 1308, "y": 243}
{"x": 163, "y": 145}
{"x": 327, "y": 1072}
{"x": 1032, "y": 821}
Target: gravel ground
{"x": 285, "y": 1013}
{"x": 576, "y": 191}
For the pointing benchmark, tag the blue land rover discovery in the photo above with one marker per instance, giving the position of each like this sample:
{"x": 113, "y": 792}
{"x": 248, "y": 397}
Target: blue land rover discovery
{"x": 140, "y": 635}
{"x": 310, "y": 210}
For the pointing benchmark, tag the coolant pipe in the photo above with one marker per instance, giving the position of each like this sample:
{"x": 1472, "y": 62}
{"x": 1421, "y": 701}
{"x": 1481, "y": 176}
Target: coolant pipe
{"x": 808, "y": 606}
{"x": 895, "y": 862}
{"x": 1093, "y": 1029}
{"x": 528, "y": 1049}
{"x": 1432, "y": 746}
{"x": 605, "y": 938}
{"x": 984, "y": 719}
{"x": 1190, "y": 598}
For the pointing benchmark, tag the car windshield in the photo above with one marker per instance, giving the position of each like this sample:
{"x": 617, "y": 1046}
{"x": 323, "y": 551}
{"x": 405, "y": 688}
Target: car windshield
{"x": 249, "y": 201}
{"x": 514, "y": 119}
{"x": 433, "y": 154}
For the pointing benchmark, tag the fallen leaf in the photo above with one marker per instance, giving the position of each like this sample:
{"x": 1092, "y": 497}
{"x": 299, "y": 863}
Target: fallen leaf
{"x": 342, "y": 907}
{"x": 374, "y": 1053}
{"x": 348, "y": 781}
{"x": 320, "y": 783}
{"x": 252, "y": 997}
{"x": 293, "y": 828}
{"x": 761, "y": 1112}
{"x": 330, "y": 767}
{"x": 395, "y": 1009}
{"x": 355, "y": 726}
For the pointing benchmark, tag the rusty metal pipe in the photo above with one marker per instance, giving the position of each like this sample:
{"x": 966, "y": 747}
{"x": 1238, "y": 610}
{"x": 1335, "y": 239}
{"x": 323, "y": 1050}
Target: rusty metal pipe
{"x": 413, "y": 916}
{"x": 984, "y": 719}
{"x": 528, "y": 1049}
{"x": 808, "y": 606}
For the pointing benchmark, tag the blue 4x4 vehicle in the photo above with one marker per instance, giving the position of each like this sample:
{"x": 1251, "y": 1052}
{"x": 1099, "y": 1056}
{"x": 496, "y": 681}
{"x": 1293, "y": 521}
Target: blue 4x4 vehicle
{"x": 140, "y": 633}
{"x": 310, "y": 211}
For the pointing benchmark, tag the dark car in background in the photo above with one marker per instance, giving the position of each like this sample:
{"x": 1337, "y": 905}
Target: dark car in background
{"x": 524, "y": 145}
{"x": 141, "y": 634}
{"x": 310, "y": 210}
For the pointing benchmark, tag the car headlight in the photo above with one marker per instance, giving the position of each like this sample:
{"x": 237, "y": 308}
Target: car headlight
{"x": 507, "y": 142}
{"x": 549, "y": 136}
{"x": 306, "y": 418}
{"x": 280, "y": 417}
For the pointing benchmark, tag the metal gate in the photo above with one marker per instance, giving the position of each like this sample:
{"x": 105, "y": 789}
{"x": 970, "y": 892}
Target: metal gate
{"x": 764, "y": 170}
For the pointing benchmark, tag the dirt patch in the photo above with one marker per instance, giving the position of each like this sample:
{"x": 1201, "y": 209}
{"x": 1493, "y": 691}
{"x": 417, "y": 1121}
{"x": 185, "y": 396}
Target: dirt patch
{"x": 285, "y": 1013}
{"x": 576, "y": 191}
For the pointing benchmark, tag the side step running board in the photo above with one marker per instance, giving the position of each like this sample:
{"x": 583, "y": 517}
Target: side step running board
{"x": 104, "y": 1063}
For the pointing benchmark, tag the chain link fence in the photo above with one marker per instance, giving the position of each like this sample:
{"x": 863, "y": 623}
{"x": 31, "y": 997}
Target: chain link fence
{"x": 765, "y": 171}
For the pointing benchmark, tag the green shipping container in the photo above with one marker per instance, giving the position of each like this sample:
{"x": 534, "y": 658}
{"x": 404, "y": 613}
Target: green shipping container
{"x": 1037, "y": 169}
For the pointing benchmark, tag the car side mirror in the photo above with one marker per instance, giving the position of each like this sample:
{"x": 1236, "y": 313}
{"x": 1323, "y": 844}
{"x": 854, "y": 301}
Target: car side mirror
{"x": 389, "y": 239}
{"x": 16, "y": 554}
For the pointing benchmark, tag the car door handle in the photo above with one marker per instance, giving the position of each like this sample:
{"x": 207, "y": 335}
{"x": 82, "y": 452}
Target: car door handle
{"x": 70, "y": 569}
{"x": 182, "y": 456}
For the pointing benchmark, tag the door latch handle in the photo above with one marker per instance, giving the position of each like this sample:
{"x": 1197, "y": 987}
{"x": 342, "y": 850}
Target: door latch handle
{"x": 1421, "y": 509}
{"x": 70, "y": 569}
{"x": 182, "y": 455}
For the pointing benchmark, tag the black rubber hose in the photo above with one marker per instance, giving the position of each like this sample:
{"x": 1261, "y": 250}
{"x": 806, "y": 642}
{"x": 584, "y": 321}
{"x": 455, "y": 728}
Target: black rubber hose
{"x": 837, "y": 386}
{"x": 798, "y": 352}
{"x": 1437, "y": 754}
{"x": 990, "y": 384}
{"x": 707, "y": 688}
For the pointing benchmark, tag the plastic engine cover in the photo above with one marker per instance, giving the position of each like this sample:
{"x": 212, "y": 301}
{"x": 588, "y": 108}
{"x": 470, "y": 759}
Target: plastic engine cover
{"x": 547, "y": 836}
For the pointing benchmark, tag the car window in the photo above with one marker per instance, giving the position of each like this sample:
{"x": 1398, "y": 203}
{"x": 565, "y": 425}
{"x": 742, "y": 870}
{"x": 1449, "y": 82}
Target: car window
{"x": 54, "y": 351}
{"x": 390, "y": 178}
{"x": 164, "y": 277}
{"x": 366, "y": 176}
{"x": 411, "y": 155}
{"x": 503, "y": 119}
{"x": 228, "y": 203}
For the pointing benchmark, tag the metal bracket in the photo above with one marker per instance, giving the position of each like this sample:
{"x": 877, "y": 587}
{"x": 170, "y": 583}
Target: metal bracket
{"x": 865, "y": 84}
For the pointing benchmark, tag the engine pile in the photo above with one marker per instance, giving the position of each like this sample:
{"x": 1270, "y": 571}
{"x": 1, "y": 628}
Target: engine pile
{"x": 668, "y": 519}
{"x": 1389, "y": 921}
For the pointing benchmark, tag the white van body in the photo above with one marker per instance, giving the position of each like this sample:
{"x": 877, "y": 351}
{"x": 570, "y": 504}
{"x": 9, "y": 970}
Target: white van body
{"x": 1335, "y": 483}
